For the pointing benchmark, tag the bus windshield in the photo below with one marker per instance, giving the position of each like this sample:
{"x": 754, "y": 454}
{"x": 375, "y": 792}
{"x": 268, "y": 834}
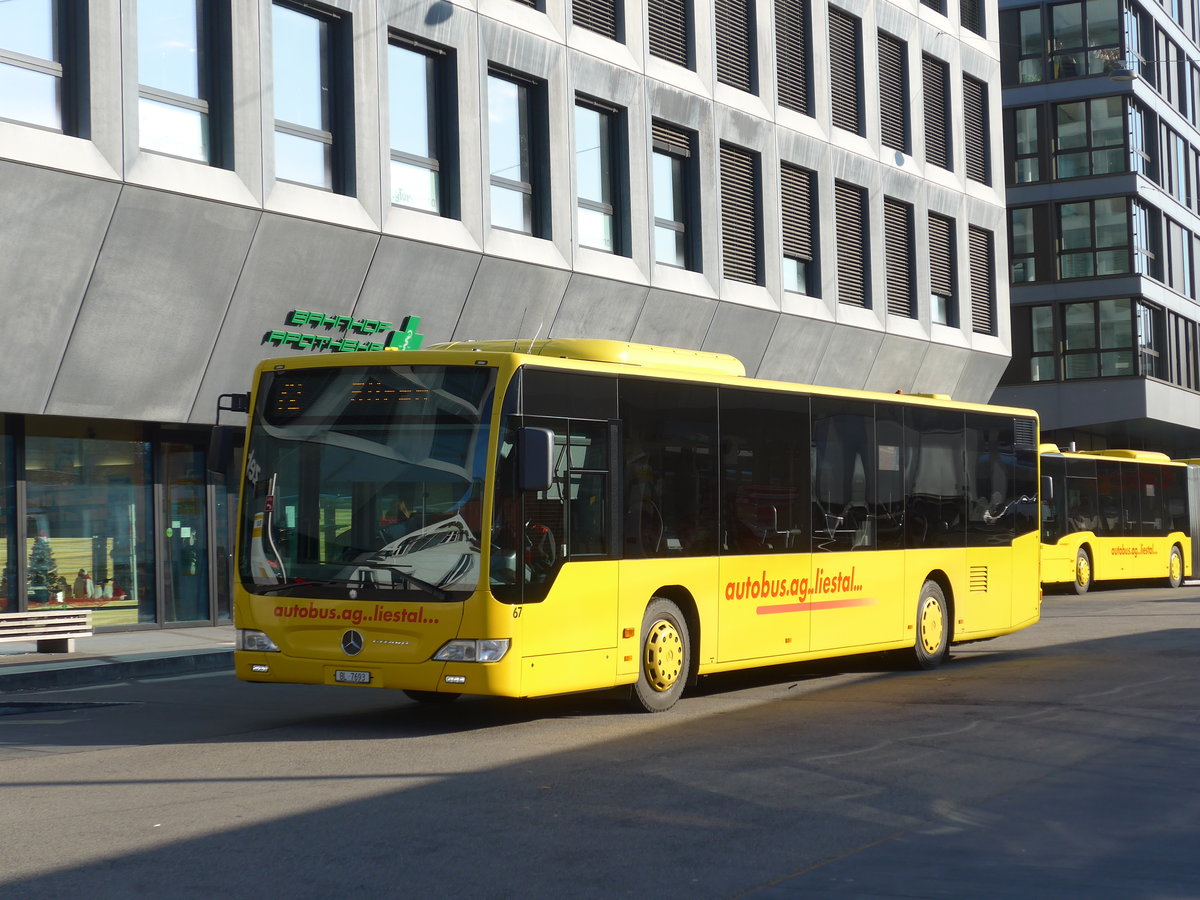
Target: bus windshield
{"x": 364, "y": 482}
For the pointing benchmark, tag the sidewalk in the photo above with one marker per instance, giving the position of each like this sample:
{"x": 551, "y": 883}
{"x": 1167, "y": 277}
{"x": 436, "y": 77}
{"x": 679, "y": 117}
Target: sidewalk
{"x": 108, "y": 657}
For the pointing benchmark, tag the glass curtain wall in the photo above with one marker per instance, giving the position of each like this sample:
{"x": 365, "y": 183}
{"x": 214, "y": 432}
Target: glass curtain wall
{"x": 8, "y": 506}
{"x": 184, "y": 525}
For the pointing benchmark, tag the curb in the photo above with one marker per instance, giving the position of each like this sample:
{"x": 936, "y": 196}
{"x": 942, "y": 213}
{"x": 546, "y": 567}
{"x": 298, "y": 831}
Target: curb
{"x": 85, "y": 672}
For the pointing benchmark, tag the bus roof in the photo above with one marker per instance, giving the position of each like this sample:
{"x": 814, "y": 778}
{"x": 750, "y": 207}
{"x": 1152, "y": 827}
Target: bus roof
{"x": 697, "y": 362}
{"x": 1133, "y": 455}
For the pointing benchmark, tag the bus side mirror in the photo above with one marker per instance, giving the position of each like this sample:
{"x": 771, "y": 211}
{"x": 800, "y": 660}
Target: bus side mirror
{"x": 221, "y": 445}
{"x": 1047, "y": 488}
{"x": 535, "y": 459}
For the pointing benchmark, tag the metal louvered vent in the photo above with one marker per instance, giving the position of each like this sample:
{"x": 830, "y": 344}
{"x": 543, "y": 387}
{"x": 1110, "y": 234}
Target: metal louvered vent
{"x": 735, "y": 43}
{"x": 671, "y": 139}
{"x": 982, "y": 316}
{"x": 796, "y": 189}
{"x": 975, "y": 131}
{"x": 600, "y": 16}
{"x": 849, "y": 202}
{"x": 792, "y": 25}
{"x": 739, "y": 214}
{"x": 979, "y": 579}
{"x": 668, "y": 27}
{"x": 893, "y": 93}
{"x": 845, "y": 77}
{"x": 972, "y": 15}
{"x": 939, "y": 5}
{"x": 941, "y": 255}
{"x": 532, "y": 4}
{"x": 1025, "y": 433}
{"x": 937, "y": 126}
{"x": 898, "y": 250}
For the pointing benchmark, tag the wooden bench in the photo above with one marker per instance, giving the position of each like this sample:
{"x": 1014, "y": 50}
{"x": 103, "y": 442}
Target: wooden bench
{"x": 55, "y": 630}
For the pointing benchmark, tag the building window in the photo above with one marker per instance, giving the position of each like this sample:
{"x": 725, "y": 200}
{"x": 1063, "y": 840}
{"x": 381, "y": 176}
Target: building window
{"x": 1182, "y": 368}
{"x": 793, "y": 46}
{"x": 971, "y": 14}
{"x": 941, "y": 269}
{"x": 1098, "y": 339}
{"x": 517, "y": 153}
{"x": 674, "y": 188}
{"x": 1180, "y": 276}
{"x": 1145, "y": 226}
{"x": 893, "y": 92}
{"x": 976, "y": 135}
{"x": 1093, "y": 237}
{"x": 983, "y": 280}
{"x": 669, "y": 31}
{"x": 845, "y": 61}
{"x": 178, "y": 42}
{"x": 1089, "y": 137}
{"x": 1025, "y": 32}
{"x": 1174, "y": 166}
{"x": 1030, "y": 244}
{"x": 1043, "y": 365}
{"x": 1024, "y": 145}
{"x": 420, "y": 94}
{"x": 1141, "y": 157}
{"x": 797, "y": 187}
{"x": 1079, "y": 38}
{"x": 741, "y": 215}
{"x": 936, "y": 5}
{"x": 937, "y": 112}
{"x": 850, "y": 213}
{"x": 900, "y": 253}
{"x": 311, "y": 96}
{"x": 599, "y": 172}
{"x": 600, "y": 16}
{"x": 39, "y": 68}
{"x": 734, "y": 27}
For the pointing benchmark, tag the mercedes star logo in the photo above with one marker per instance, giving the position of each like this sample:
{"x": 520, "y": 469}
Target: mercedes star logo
{"x": 352, "y": 643}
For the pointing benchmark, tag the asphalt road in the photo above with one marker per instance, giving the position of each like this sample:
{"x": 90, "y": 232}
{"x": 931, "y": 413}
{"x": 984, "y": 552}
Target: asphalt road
{"x": 1059, "y": 762}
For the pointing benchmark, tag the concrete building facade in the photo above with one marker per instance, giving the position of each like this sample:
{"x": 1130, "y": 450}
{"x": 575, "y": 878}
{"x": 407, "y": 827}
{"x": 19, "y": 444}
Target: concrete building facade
{"x": 813, "y": 187}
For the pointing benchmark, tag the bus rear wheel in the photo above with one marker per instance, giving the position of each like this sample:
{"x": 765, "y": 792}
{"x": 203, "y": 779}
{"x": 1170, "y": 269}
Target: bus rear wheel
{"x": 666, "y": 657}
{"x": 1175, "y": 568}
{"x": 1083, "y": 571}
{"x": 933, "y": 627}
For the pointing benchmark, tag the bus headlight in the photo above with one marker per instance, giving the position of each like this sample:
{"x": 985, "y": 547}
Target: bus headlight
{"x": 473, "y": 651}
{"x": 255, "y": 640}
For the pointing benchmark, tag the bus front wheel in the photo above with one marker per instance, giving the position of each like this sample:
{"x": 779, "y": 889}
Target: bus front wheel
{"x": 1083, "y": 571}
{"x": 1175, "y": 567}
{"x": 933, "y": 627}
{"x": 666, "y": 657}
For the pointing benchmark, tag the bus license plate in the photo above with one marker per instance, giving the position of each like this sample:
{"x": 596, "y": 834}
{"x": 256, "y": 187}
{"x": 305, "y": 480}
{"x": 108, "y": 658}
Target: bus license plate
{"x": 347, "y": 677}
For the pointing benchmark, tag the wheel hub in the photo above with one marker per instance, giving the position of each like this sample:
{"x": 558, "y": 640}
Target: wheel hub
{"x": 664, "y": 655}
{"x": 932, "y": 626}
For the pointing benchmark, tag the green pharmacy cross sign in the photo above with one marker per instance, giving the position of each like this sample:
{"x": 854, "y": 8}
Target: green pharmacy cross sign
{"x": 341, "y": 328}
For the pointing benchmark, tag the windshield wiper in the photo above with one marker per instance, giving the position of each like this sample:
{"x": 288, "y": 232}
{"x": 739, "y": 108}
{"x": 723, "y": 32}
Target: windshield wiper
{"x": 411, "y": 580}
{"x": 299, "y": 583}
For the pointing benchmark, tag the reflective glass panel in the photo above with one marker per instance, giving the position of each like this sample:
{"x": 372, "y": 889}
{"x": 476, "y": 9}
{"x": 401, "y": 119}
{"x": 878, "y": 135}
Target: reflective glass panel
{"x": 595, "y": 229}
{"x": 1075, "y": 225}
{"x": 89, "y": 542}
{"x": 1042, "y": 324}
{"x": 1080, "y": 323}
{"x": 1071, "y": 122}
{"x": 508, "y": 131}
{"x": 172, "y": 129}
{"x": 8, "y": 524}
{"x": 301, "y": 86}
{"x": 670, "y": 246}
{"x": 303, "y": 160}
{"x": 415, "y": 186}
{"x": 28, "y": 96}
{"x": 185, "y": 566}
{"x": 591, "y": 154}
{"x": 512, "y": 209}
{"x": 1112, "y": 227}
{"x": 169, "y": 45}
{"x": 28, "y": 27}
{"x": 1116, "y": 323}
{"x": 410, "y": 77}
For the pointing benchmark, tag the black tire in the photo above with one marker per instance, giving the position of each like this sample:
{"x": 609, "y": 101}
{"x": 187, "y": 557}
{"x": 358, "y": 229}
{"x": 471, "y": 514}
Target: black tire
{"x": 933, "y": 627}
{"x": 1083, "y": 571}
{"x": 436, "y": 698}
{"x": 666, "y": 657}
{"x": 1175, "y": 568}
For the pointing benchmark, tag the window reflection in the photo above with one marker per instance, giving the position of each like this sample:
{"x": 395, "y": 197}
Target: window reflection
{"x": 88, "y": 512}
{"x": 30, "y": 63}
{"x": 594, "y": 177}
{"x": 173, "y": 114}
{"x": 303, "y": 119}
{"x": 412, "y": 107}
{"x": 8, "y": 505}
{"x": 509, "y": 140}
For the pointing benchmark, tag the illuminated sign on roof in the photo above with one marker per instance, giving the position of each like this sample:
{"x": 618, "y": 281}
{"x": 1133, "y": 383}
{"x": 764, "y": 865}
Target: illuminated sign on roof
{"x": 342, "y": 333}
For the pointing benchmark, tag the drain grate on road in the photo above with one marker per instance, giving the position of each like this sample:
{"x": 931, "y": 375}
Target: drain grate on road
{"x": 26, "y": 707}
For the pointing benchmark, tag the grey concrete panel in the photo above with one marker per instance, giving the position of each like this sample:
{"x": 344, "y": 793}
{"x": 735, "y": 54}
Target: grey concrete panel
{"x": 669, "y": 319}
{"x": 407, "y": 278}
{"x": 599, "y": 308}
{"x": 896, "y": 364}
{"x": 1080, "y": 404}
{"x": 941, "y": 369}
{"x": 795, "y": 350}
{"x": 511, "y": 299}
{"x": 979, "y": 377}
{"x": 51, "y": 232}
{"x": 741, "y": 331}
{"x": 151, "y": 312}
{"x": 849, "y": 357}
{"x": 292, "y": 264}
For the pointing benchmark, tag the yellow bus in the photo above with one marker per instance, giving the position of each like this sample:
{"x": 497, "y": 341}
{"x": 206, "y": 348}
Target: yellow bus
{"x": 1113, "y": 515}
{"x": 533, "y": 518}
